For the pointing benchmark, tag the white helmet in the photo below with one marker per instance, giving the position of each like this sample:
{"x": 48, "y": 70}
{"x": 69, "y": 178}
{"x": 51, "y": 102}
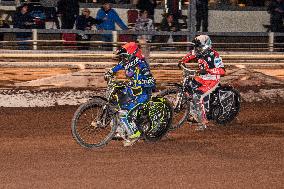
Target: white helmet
{"x": 202, "y": 42}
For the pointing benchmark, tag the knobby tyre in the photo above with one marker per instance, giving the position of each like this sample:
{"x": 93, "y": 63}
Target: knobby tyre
{"x": 223, "y": 120}
{"x": 160, "y": 118}
{"x": 94, "y": 124}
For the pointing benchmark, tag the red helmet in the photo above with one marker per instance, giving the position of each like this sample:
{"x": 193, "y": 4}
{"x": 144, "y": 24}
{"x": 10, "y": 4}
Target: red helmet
{"x": 130, "y": 50}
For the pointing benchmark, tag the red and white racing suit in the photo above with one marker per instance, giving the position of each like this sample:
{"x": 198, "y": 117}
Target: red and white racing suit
{"x": 204, "y": 84}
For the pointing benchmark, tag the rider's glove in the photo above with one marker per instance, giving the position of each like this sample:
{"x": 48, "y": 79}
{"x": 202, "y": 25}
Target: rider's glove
{"x": 108, "y": 75}
{"x": 203, "y": 72}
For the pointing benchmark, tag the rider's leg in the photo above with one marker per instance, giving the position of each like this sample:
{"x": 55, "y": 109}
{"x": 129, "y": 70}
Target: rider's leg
{"x": 196, "y": 102}
{"x": 127, "y": 117}
{"x": 128, "y": 114}
{"x": 130, "y": 126}
{"x": 199, "y": 93}
{"x": 198, "y": 108}
{"x": 129, "y": 120}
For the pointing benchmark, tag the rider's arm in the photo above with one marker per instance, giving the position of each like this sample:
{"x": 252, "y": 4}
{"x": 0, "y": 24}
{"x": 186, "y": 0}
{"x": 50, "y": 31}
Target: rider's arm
{"x": 113, "y": 70}
{"x": 188, "y": 57}
{"x": 117, "y": 67}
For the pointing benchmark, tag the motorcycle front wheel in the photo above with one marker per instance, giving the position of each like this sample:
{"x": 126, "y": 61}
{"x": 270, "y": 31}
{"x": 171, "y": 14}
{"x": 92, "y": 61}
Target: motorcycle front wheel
{"x": 94, "y": 124}
{"x": 181, "y": 114}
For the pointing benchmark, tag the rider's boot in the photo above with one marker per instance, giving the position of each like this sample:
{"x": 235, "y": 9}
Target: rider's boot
{"x": 192, "y": 118}
{"x": 120, "y": 133}
{"x": 132, "y": 139}
{"x": 201, "y": 127}
{"x": 131, "y": 129}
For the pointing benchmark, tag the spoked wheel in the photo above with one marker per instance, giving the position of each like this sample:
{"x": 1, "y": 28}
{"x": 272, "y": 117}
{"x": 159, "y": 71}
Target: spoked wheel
{"x": 158, "y": 120}
{"x": 181, "y": 114}
{"x": 153, "y": 119}
{"x": 230, "y": 109}
{"x": 94, "y": 124}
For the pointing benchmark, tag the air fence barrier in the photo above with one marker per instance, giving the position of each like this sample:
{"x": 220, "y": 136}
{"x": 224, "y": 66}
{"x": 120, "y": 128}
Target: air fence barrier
{"x": 227, "y": 41}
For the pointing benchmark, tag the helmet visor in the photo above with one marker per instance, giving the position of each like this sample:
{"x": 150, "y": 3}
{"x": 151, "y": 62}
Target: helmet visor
{"x": 123, "y": 55}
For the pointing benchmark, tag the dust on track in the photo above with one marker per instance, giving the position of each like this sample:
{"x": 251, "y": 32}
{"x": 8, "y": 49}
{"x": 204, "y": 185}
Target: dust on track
{"x": 38, "y": 151}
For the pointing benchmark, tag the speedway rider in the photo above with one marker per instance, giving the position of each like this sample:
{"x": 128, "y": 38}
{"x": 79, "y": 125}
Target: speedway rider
{"x": 211, "y": 67}
{"x": 139, "y": 88}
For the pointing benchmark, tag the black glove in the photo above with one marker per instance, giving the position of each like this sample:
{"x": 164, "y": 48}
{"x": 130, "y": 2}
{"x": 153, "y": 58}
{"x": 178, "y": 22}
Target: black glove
{"x": 203, "y": 72}
{"x": 108, "y": 75}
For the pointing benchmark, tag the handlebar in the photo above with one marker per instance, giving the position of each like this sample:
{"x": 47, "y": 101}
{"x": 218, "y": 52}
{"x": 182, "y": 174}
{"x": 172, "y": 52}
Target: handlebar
{"x": 112, "y": 81}
{"x": 188, "y": 72}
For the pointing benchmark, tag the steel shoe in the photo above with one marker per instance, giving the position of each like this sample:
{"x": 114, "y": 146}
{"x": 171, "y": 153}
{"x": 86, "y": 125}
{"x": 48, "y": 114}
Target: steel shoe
{"x": 132, "y": 139}
{"x": 201, "y": 127}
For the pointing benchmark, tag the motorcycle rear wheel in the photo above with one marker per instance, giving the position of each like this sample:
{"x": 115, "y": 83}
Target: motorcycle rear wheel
{"x": 160, "y": 116}
{"x": 220, "y": 119}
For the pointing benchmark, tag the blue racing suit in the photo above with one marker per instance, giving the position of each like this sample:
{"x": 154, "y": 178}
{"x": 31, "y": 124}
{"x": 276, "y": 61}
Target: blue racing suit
{"x": 138, "y": 90}
{"x": 141, "y": 83}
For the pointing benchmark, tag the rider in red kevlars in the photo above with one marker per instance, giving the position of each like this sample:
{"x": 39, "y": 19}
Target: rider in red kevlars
{"x": 211, "y": 67}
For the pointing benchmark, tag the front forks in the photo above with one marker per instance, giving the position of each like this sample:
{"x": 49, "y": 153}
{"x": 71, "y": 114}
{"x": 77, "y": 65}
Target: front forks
{"x": 180, "y": 96}
{"x": 102, "y": 120}
{"x": 178, "y": 102}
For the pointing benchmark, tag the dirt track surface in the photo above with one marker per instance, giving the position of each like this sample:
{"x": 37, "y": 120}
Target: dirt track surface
{"x": 38, "y": 151}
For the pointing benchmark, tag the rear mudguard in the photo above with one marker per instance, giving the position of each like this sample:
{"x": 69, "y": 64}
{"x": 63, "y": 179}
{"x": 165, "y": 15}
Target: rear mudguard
{"x": 228, "y": 87}
{"x": 224, "y": 87}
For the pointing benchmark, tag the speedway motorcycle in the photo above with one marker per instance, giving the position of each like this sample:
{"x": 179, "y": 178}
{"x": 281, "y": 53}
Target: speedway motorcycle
{"x": 97, "y": 121}
{"x": 221, "y": 106}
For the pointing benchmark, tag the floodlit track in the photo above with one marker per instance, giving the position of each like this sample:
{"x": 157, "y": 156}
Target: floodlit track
{"x": 38, "y": 151}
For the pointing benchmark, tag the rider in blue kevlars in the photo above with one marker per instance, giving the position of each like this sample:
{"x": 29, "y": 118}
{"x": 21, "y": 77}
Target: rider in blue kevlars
{"x": 139, "y": 88}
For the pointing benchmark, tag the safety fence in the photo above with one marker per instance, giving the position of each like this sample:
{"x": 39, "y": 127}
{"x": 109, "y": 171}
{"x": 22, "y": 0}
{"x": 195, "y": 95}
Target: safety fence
{"x": 55, "y": 39}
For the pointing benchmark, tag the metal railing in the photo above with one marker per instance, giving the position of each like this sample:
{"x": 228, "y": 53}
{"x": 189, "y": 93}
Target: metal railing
{"x": 268, "y": 38}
